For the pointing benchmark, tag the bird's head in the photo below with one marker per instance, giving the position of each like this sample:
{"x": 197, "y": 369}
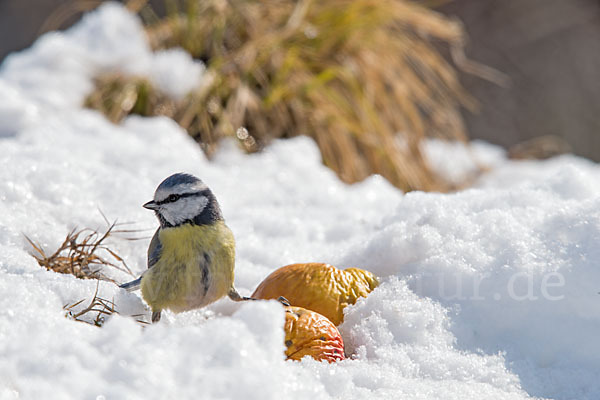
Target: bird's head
{"x": 183, "y": 198}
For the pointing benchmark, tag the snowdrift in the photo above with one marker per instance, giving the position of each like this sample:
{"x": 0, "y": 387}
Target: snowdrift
{"x": 490, "y": 293}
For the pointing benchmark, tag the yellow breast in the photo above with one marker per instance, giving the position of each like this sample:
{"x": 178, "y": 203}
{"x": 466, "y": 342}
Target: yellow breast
{"x": 195, "y": 267}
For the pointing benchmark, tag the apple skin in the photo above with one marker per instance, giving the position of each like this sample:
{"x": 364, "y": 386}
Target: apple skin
{"x": 319, "y": 287}
{"x": 308, "y": 333}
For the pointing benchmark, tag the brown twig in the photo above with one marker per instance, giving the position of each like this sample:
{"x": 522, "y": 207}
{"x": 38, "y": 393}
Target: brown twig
{"x": 80, "y": 254}
{"x": 102, "y": 307}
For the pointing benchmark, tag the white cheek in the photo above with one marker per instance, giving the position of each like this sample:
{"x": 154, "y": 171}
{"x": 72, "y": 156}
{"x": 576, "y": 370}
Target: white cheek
{"x": 184, "y": 209}
{"x": 168, "y": 215}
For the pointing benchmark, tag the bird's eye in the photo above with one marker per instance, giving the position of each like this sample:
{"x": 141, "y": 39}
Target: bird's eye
{"x": 173, "y": 197}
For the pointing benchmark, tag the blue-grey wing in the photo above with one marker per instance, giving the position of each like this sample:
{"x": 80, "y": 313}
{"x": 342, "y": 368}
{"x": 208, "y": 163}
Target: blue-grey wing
{"x": 154, "y": 249}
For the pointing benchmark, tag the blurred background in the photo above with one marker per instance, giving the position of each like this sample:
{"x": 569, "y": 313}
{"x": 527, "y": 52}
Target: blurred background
{"x": 549, "y": 49}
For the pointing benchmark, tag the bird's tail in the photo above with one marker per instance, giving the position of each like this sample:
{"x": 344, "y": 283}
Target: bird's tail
{"x": 133, "y": 285}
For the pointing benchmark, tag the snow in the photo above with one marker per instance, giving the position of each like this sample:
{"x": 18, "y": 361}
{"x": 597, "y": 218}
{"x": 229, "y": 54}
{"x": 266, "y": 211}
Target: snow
{"x": 490, "y": 292}
{"x": 457, "y": 163}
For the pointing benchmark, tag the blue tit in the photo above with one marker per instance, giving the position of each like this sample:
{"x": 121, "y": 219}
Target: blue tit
{"x": 191, "y": 257}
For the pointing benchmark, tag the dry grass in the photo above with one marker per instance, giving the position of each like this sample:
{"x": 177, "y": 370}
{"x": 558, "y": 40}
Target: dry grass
{"x": 539, "y": 148}
{"x": 118, "y": 96}
{"x": 83, "y": 254}
{"x": 364, "y": 78}
{"x": 101, "y": 307}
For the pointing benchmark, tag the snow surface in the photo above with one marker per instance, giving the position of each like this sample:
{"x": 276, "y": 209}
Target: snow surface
{"x": 487, "y": 293}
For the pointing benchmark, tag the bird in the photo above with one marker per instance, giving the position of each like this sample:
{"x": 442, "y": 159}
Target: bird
{"x": 191, "y": 257}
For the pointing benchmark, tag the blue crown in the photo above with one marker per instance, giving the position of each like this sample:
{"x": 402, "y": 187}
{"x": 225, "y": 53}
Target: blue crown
{"x": 177, "y": 179}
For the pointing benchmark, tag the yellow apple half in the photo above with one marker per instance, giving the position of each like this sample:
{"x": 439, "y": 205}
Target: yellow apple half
{"x": 318, "y": 287}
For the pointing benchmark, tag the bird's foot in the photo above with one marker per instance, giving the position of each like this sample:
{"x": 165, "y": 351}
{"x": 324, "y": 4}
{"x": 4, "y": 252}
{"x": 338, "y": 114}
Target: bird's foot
{"x": 284, "y": 301}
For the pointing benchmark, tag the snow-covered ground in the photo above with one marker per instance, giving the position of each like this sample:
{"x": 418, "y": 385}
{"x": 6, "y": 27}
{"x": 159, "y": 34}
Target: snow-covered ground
{"x": 488, "y": 293}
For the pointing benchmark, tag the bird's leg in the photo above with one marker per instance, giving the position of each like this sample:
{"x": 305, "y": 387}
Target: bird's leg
{"x": 235, "y": 296}
{"x": 155, "y": 316}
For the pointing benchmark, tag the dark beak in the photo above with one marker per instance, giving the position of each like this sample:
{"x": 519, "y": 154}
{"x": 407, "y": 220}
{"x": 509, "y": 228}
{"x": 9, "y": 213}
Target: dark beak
{"x": 151, "y": 205}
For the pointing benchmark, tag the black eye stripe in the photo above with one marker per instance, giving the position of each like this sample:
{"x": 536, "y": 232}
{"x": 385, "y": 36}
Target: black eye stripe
{"x": 174, "y": 197}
